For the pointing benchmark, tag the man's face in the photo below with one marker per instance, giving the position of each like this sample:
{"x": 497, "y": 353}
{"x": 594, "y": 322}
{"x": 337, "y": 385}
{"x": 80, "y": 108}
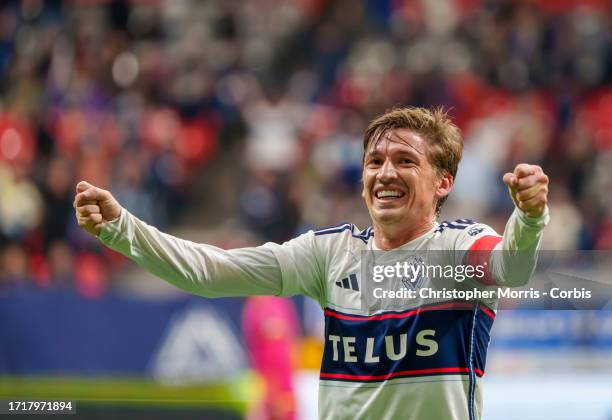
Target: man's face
{"x": 400, "y": 185}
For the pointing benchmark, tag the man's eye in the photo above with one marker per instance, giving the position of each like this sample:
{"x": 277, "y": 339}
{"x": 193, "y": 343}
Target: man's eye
{"x": 406, "y": 161}
{"x": 375, "y": 162}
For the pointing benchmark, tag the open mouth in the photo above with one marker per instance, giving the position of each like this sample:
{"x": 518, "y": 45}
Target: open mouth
{"x": 389, "y": 194}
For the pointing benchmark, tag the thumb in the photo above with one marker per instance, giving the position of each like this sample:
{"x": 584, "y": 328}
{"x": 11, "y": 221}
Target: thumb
{"x": 510, "y": 179}
{"x": 82, "y": 186}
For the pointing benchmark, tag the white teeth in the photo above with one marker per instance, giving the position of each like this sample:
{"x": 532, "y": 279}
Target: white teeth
{"x": 389, "y": 193}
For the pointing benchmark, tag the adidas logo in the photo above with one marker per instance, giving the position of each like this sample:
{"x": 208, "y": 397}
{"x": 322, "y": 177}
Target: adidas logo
{"x": 349, "y": 282}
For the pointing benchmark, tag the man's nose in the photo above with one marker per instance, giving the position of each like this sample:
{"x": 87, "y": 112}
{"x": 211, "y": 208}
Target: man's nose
{"x": 387, "y": 172}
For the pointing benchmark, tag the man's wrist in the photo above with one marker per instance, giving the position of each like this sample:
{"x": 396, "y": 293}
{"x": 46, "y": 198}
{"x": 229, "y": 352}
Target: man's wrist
{"x": 534, "y": 221}
{"x": 110, "y": 229}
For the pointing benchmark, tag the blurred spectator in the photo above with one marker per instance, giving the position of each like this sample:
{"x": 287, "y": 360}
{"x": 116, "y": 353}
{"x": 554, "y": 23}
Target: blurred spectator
{"x": 21, "y": 204}
{"x": 14, "y": 267}
{"x": 61, "y": 262}
{"x": 58, "y": 195}
{"x": 273, "y": 141}
{"x": 90, "y": 275}
{"x": 567, "y": 225}
{"x": 268, "y": 207}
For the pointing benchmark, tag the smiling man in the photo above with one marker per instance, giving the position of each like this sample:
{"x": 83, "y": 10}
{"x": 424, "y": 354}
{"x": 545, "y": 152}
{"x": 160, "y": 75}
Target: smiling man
{"x": 420, "y": 360}
{"x": 402, "y": 186}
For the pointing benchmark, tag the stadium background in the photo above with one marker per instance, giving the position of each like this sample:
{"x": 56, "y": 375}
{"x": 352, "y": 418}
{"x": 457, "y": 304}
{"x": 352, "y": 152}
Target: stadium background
{"x": 238, "y": 122}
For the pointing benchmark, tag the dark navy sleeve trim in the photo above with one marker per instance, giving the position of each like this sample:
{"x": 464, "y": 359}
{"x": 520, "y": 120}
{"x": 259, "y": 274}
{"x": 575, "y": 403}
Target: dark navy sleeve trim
{"x": 364, "y": 235}
{"x": 457, "y": 224}
{"x": 333, "y": 229}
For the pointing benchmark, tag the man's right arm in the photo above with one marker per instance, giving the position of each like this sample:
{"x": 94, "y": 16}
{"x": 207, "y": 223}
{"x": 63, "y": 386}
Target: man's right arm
{"x": 205, "y": 270}
{"x": 196, "y": 268}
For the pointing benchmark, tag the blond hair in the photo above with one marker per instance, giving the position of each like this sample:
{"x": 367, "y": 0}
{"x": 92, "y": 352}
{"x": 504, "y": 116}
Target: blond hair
{"x": 442, "y": 135}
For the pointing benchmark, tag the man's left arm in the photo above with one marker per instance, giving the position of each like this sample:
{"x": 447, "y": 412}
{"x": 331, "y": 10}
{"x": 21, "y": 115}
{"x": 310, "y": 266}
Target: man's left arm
{"x": 517, "y": 253}
{"x": 510, "y": 260}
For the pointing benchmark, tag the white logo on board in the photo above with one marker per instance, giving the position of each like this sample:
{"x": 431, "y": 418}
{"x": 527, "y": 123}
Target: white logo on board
{"x": 199, "y": 346}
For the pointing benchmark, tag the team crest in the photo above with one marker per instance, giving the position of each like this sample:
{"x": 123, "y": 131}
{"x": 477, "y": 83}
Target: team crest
{"x": 415, "y": 276}
{"x": 475, "y": 231}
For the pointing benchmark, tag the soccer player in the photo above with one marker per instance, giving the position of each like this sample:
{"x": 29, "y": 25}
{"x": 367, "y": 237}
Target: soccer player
{"x": 414, "y": 362}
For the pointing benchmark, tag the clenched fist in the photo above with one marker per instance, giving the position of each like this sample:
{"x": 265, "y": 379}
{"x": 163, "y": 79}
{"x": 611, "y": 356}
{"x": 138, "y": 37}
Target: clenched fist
{"x": 94, "y": 207}
{"x": 528, "y": 187}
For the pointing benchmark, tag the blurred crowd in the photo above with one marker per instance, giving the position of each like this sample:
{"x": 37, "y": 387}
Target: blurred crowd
{"x": 141, "y": 96}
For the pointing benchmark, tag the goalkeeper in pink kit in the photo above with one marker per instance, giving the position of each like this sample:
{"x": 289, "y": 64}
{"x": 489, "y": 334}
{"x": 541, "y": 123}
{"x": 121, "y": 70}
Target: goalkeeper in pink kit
{"x": 421, "y": 360}
{"x": 270, "y": 334}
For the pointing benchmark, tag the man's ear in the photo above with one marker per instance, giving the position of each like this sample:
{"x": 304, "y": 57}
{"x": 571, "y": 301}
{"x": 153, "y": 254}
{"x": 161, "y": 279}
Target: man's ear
{"x": 445, "y": 185}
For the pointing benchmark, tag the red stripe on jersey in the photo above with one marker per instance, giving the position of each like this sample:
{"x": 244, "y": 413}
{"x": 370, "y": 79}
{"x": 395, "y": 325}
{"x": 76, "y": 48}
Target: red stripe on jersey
{"x": 488, "y": 312}
{"x": 413, "y": 372}
{"x": 399, "y": 315}
{"x": 450, "y": 305}
{"x": 483, "y": 247}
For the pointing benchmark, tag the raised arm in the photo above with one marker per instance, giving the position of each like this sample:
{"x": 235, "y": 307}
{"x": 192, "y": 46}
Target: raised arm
{"x": 270, "y": 269}
{"x": 514, "y": 258}
{"x": 511, "y": 258}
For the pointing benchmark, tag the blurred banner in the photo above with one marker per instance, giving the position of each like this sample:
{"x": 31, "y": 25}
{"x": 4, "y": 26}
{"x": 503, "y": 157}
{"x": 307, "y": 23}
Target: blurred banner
{"x": 191, "y": 340}
{"x": 535, "y": 329}
{"x": 178, "y": 341}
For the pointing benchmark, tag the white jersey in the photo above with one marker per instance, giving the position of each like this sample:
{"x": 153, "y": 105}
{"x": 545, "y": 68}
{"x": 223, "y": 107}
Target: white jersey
{"x": 417, "y": 361}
